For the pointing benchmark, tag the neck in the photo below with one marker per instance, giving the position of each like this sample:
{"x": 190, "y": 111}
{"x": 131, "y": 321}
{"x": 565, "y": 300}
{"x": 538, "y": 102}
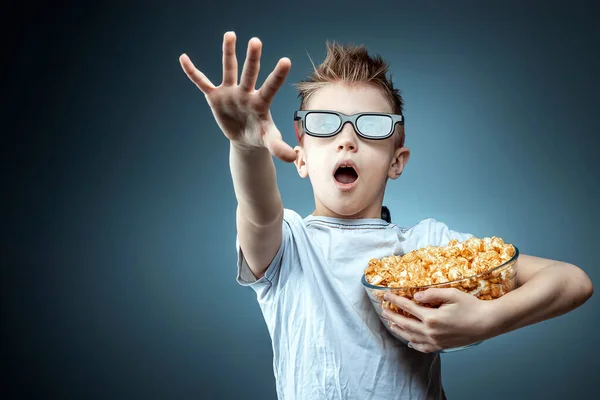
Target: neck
{"x": 371, "y": 211}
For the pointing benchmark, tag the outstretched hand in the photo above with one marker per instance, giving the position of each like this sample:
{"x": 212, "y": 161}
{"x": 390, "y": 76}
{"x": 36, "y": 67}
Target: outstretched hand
{"x": 241, "y": 111}
{"x": 460, "y": 320}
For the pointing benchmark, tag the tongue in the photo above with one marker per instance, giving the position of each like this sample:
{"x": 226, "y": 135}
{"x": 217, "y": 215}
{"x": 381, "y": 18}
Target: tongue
{"x": 345, "y": 175}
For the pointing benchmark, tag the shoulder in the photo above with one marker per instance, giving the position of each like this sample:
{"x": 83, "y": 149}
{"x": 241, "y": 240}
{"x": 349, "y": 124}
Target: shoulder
{"x": 294, "y": 226}
{"x": 293, "y": 220}
{"x": 291, "y": 215}
{"x": 435, "y": 232}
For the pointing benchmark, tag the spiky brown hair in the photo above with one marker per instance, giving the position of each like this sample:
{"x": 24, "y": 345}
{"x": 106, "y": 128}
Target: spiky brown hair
{"x": 351, "y": 64}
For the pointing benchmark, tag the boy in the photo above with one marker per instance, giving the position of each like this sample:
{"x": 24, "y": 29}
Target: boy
{"x": 328, "y": 343}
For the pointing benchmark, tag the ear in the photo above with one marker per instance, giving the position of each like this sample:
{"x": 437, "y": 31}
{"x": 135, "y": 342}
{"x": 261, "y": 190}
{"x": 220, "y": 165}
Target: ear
{"x": 300, "y": 161}
{"x": 401, "y": 156}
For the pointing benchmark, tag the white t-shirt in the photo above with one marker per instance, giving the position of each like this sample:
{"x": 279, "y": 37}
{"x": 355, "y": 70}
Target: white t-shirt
{"x": 328, "y": 342}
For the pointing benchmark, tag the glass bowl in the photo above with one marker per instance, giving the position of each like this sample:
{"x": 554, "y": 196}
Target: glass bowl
{"x": 487, "y": 285}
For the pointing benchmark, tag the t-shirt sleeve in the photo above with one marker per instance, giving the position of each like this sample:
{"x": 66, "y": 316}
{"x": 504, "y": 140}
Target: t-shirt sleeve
{"x": 282, "y": 264}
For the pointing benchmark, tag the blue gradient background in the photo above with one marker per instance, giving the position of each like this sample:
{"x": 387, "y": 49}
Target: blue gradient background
{"x": 118, "y": 260}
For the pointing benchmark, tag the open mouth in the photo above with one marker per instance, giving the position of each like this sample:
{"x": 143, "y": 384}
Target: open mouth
{"x": 346, "y": 174}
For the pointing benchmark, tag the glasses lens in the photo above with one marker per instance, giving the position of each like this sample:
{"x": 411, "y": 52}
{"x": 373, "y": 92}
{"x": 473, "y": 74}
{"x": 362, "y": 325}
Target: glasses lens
{"x": 322, "y": 123}
{"x": 374, "y": 125}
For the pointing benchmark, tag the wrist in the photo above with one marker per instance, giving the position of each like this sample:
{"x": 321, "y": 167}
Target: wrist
{"x": 243, "y": 147}
{"x": 492, "y": 317}
{"x": 250, "y": 156}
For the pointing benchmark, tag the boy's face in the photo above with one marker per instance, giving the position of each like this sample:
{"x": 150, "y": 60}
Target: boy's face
{"x": 357, "y": 192}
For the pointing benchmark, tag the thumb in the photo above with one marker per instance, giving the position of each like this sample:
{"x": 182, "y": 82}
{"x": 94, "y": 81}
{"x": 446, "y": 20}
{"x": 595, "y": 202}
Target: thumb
{"x": 280, "y": 149}
{"x": 436, "y": 295}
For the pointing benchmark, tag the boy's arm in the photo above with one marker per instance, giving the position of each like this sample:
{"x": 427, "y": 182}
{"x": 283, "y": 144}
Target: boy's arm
{"x": 546, "y": 289}
{"x": 243, "y": 114}
{"x": 259, "y": 213}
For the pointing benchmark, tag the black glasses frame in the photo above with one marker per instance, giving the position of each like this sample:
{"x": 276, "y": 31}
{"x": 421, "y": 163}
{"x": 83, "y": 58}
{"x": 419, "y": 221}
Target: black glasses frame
{"x": 301, "y": 115}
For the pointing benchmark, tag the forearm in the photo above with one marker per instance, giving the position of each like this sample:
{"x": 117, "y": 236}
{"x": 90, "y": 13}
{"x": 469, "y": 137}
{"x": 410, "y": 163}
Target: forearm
{"x": 255, "y": 184}
{"x": 552, "y": 291}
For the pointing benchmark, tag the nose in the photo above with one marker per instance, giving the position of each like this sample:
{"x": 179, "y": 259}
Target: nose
{"x": 347, "y": 139}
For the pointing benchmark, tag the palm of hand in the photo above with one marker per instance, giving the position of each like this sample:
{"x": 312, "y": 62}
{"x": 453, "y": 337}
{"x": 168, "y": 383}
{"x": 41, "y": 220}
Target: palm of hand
{"x": 241, "y": 111}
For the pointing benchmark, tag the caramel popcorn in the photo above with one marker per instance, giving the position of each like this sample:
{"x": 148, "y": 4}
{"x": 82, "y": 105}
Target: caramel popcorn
{"x": 469, "y": 266}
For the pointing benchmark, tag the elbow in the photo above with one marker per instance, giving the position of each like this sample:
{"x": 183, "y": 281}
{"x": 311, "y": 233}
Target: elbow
{"x": 583, "y": 285}
{"x": 589, "y": 288}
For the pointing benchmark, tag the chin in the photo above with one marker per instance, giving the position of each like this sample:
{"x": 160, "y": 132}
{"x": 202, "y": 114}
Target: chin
{"x": 346, "y": 208}
{"x": 352, "y": 204}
